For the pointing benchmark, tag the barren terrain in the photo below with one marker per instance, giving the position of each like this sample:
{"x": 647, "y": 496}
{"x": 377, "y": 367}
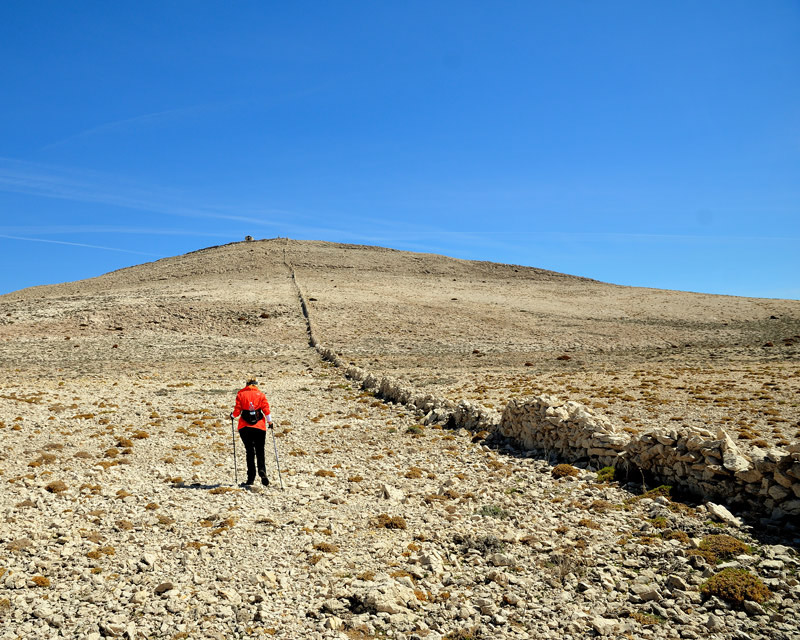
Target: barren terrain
{"x": 120, "y": 515}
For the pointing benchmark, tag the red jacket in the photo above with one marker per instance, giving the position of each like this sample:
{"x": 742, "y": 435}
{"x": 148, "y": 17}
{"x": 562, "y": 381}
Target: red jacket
{"x": 250, "y": 399}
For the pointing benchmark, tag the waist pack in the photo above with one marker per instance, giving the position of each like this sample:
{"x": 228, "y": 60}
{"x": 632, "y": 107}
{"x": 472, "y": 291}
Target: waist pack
{"x": 252, "y": 417}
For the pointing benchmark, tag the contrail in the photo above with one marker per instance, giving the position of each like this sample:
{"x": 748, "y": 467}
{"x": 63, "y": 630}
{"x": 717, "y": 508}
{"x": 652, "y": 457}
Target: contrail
{"x": 80, "y": 244}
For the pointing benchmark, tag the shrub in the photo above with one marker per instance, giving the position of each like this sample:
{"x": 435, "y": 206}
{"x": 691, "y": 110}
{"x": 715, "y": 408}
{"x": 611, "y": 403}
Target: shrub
{"x": 57, "y": 486}
{"x": 723, "y": 546}
{"x": 736, "y": 585}
{"x": 324, "y": 473}
{"x": 384, "y": 521}
{"x": 589, "y": 524}
{"x": 601, "y": 506}
{"x": 606, "y": 474}
{"x": 326, "y": 547}
{"x": 413, "y": 472}
{"x": 564, "y": 470}
{"x": 680, "y": 536}
{"x": 493, "y": 511}
{"x": 41, "y": 581}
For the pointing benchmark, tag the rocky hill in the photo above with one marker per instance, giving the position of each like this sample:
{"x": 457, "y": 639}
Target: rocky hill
{"x": 121, "y": 516}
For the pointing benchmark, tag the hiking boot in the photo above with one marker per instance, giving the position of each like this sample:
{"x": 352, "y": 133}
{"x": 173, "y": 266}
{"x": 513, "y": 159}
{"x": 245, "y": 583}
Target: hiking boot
{"x": 265, "y": 481}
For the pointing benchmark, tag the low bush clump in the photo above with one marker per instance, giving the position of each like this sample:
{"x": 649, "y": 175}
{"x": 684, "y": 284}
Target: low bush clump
{"x": 384, "y": 521}
{"x": 493, "y": 511}
{"x": 736, "y": 586}
{"x": 606, "y": 474}
{"x": 564, "y": 470}
{"x": 324, "y": 473}
{"x": 722, "y": 547}
{"x": 57, "y": 486}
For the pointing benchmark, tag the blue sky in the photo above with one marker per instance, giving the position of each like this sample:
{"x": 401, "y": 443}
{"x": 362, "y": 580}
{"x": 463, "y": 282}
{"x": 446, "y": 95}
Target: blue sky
{"x": 642, "y": 143}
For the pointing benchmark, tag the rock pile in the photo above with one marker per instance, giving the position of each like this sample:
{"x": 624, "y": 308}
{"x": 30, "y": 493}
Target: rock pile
{"x": 708, "y": 464}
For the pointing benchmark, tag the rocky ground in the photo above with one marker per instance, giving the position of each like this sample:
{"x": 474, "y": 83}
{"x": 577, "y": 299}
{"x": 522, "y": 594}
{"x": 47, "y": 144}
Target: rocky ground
{"x": 120, "y": 514}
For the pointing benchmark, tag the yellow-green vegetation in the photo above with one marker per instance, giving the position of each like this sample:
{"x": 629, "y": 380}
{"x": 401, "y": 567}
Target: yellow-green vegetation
{"x": 680, "y": 536}
{"x": 736, "y": 586}
{"x": 719, "y": 547}
{"x": 493, "y": 511}
{"x": 606, "y": 474}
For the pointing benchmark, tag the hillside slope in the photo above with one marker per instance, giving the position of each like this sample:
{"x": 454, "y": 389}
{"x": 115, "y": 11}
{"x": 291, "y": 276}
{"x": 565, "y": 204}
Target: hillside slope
{"x": 121, "y": 516}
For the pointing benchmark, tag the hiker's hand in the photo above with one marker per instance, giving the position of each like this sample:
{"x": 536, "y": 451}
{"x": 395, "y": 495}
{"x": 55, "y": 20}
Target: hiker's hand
{"x": 271, "y": 425}
{"x": 231, "y": 416}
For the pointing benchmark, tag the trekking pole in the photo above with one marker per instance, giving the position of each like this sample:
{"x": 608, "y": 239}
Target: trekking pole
{"x": 233, "y": 439}
{"x": 277, "y": 462}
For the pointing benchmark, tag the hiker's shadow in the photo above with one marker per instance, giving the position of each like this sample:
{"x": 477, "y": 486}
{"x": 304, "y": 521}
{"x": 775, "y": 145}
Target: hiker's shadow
{"x": 203, "y": 487}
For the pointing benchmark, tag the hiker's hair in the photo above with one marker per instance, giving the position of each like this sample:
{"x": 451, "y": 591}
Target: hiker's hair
{"x": 252, "y": 382}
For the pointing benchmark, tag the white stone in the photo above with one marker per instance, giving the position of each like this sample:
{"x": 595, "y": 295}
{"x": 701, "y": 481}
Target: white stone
{"x": 721, "y": 514}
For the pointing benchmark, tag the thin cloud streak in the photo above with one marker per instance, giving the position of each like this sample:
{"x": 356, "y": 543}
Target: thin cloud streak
{"x": 35, "y": 180}
{"x": 79, "y": 244}
{"x": 145, "y": 231}
{"x": 126, "y": 123}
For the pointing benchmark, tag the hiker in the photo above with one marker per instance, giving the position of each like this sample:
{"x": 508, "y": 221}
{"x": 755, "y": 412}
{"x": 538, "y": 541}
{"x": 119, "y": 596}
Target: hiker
{"x": 252, "y": 409}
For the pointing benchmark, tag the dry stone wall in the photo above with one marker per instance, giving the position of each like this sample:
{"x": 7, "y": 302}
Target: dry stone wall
{"x": 707, "y": 463}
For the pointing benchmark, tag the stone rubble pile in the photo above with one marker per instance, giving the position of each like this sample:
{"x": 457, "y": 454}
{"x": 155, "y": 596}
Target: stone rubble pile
{"x": 708, "y": 464}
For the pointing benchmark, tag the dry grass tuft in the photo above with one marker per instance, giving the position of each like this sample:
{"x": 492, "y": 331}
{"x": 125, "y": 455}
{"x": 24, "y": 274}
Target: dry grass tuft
{"x": 384, "y": 521}
{"x": 324, "y": 473}
{"x": 57, "y": 486}
{"x": 564, "y": 470}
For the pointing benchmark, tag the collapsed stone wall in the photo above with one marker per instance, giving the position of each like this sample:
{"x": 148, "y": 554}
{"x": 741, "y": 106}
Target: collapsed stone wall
{"x": 706, "y": 463}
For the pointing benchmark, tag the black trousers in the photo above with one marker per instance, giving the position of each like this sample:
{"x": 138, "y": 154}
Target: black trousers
{"x": 253, "y": 440}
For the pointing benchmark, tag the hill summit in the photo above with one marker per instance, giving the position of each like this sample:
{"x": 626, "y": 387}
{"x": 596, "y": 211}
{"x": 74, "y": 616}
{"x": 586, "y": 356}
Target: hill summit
{"x": 121, "y": 503}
